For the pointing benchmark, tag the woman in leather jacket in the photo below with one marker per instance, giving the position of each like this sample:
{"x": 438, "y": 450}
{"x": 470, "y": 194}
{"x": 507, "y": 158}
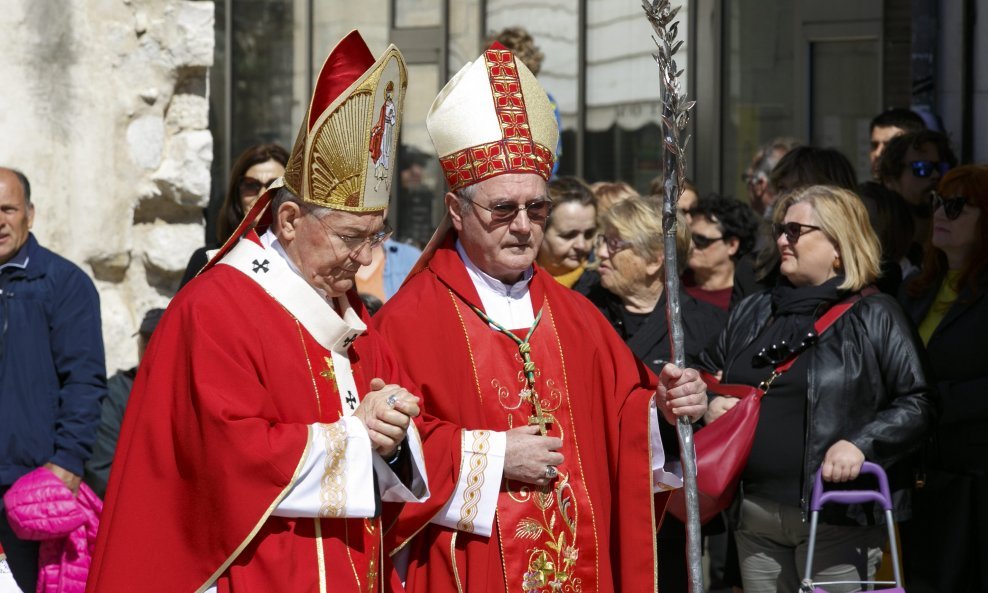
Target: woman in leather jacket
{"x": 857, "y": 391}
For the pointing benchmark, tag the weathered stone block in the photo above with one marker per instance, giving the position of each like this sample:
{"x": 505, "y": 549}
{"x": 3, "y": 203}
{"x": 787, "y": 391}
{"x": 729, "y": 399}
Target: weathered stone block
{"x": 146, "y": 140}
{"x": 187, "y": 112}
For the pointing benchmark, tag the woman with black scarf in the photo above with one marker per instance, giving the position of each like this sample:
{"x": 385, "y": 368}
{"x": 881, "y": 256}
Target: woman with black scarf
{"x": 856, "y": 392}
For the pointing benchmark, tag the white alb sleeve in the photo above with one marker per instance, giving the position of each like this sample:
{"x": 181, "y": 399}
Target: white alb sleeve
{"x": 474, "y": 501}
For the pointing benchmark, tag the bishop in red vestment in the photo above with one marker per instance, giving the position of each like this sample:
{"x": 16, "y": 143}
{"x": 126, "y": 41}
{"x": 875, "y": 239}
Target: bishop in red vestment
{"x": 559, "y": 453}
{"x": 267, "y": 431}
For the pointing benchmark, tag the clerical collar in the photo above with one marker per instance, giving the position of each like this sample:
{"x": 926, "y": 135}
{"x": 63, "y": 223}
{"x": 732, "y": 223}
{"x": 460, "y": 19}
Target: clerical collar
{"x": 516, "y": 290}
{"x": 510, "y": 305}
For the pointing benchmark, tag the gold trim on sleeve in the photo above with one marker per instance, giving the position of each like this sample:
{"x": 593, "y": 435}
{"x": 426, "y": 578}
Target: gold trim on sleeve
{"x": 333, "y": 489}
{"x": 475, "y": 478}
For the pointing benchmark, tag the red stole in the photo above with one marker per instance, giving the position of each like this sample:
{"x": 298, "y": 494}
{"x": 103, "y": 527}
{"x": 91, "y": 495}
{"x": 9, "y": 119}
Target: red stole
{"x": 547, "y": 535}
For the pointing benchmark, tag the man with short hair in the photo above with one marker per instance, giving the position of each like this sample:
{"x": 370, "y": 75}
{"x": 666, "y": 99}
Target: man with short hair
{"x": 912, "y": 165}
{"x": 52, "y": 367}
{"x": 761, "y": 194}
{"x": 557, "y": 450}
{"x": 267, "y": 430}
{"x": 888, "y": 125}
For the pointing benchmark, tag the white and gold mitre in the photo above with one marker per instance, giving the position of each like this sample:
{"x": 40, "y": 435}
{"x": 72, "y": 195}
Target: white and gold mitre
{"x": 492, "y": 118}
{"x": 344, "y": 156}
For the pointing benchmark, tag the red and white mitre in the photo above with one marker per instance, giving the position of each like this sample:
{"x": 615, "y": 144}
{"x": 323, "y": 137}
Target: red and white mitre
{"x": 492, "y": 118}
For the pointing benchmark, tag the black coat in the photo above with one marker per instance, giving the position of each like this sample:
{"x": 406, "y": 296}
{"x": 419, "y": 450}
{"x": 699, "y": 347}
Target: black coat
{"x": 958, "y": 352}
{"x": 866, "y": 383}
{"x": 948, "y": 538}
{"x": 702, "y": 323}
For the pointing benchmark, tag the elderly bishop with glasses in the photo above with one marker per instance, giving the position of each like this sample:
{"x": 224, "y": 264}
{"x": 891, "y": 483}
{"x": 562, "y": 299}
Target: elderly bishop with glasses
{"x": 268, "y": 430}
{"x": 546, "y": 458}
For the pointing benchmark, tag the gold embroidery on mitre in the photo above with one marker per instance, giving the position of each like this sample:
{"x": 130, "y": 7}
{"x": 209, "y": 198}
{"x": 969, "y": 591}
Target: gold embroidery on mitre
{"x": 475, "y": 478}
{"x": 334, "y": 164}
{"x": 333, "y": 488}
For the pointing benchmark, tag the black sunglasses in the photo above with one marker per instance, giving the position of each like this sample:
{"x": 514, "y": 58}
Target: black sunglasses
{"x": 777, "y": 354}
{"x": 924, "y": 169}
{"x": 702, "y": 242}
{"x": 952, "y": 207}
{"x": 537, "y": 210}
{"x": 253, "y": 187}
{"x": 793, "y": 230}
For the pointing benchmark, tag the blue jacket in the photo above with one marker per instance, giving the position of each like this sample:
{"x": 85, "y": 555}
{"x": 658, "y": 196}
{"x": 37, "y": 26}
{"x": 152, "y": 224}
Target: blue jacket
{"x": 52, "y": 367}
{"x": 398, "y": 262}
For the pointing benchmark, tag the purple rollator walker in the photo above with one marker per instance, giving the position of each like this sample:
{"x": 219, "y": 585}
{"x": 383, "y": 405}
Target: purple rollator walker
{"x": 847, "y": 497}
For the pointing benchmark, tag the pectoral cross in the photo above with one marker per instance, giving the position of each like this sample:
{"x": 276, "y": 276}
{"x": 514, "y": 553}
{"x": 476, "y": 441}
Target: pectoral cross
{"x": 540, "y": 418}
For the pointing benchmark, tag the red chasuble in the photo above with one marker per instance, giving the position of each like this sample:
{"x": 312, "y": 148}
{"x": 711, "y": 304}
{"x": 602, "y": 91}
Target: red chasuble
{"x": 593, "y": 529}
{"x": 214, "y": 433}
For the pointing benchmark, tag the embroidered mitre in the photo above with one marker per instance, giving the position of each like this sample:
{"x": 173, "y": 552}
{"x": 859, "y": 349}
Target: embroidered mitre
{"x": 492, "y": 118}
{"x": 344, "y": 155}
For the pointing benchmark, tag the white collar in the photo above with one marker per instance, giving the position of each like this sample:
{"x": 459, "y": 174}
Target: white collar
{"x": 508, "y": 304}
{"x": 332, "y": 329}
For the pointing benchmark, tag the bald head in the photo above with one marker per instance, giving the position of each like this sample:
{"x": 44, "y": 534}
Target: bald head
{"x": 16, "y": 213}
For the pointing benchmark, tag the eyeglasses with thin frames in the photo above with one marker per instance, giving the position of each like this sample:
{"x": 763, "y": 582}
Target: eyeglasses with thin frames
{"x": 794, "y": 230}
{"x": 614, "y": 245}
{"x": 537, "y": 210}
{"x": 355, "y": 245}
{"x": 952, "y": 207}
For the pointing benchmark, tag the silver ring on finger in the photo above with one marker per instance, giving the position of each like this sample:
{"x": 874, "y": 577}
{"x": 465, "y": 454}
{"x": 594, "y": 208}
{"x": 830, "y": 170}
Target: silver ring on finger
{"x": 392, "y": 400}
{"x": 551, "y": 472}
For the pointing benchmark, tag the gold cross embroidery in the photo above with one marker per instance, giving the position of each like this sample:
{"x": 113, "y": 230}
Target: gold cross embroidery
{"x": 330, "y": 373}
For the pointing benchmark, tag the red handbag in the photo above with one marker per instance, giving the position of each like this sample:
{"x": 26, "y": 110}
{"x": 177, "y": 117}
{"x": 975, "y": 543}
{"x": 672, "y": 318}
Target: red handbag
{"x": 723, "y": 446}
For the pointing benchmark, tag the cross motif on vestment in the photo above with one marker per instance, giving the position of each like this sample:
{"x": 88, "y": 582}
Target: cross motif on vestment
{"x": 330, "y": 373}
{"x": 351, "y": 401}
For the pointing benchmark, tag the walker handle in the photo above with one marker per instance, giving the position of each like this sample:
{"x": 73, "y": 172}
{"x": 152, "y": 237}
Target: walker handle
{"x": 880, "y": 496}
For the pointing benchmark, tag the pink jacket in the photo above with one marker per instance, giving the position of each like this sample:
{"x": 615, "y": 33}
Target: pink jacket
{"x": 40, "y": 507}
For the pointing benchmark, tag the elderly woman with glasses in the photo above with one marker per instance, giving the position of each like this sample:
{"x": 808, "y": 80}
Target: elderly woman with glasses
{"x": 948, "y": 302}
{"x": 723, "y": 231}
{"x": 856, "y": 391}
{"x": 630, "y": 294}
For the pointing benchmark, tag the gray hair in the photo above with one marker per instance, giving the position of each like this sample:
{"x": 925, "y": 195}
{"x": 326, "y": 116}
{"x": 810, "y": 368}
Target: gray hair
{"x": 284, "y": 195}
{"x": 465, "y": 195}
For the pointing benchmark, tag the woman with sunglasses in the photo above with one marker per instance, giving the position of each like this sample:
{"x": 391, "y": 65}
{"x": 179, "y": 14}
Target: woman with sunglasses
{"x": 723, "y": 231}
{"x": 856, "y": 391}
{"x": 948, "y": 302}
{"x": 630, "y": 294}
{"x": 253, "y": 172}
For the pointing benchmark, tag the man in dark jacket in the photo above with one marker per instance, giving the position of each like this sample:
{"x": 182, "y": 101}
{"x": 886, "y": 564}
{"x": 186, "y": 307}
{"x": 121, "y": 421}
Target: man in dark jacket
{"x": 111, "y": 417}
{"x": 52, "y": 369}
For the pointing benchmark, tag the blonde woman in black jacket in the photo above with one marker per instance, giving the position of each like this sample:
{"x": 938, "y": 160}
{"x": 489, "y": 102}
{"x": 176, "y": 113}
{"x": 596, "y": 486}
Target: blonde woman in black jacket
{"x": 857, "y": 392}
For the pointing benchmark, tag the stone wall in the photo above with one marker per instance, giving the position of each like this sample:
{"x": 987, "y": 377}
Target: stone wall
{"x": 105, "y": 110}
